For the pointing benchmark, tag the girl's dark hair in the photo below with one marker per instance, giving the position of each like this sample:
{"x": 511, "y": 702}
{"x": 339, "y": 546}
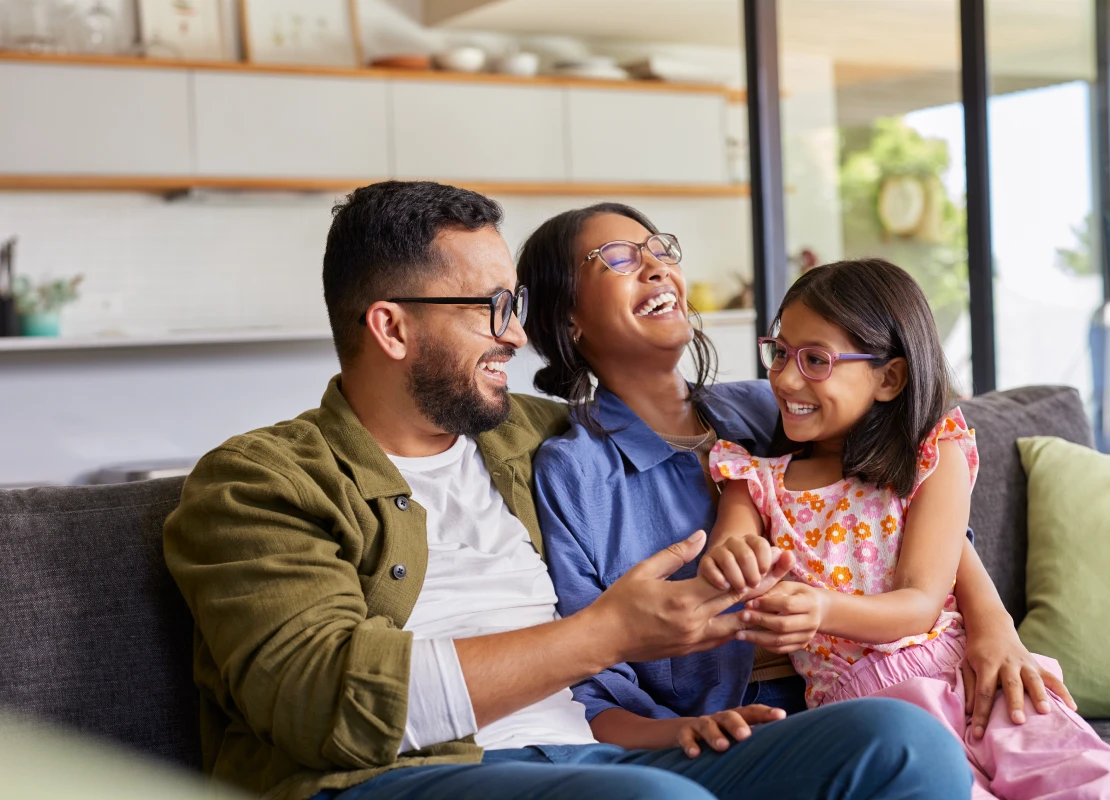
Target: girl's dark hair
{"x": 884, "y": 312}
{"x": 546, "y": 264}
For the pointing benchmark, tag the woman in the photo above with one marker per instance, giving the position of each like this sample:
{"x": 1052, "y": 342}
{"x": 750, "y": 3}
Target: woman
{"x": 608, "y": 300}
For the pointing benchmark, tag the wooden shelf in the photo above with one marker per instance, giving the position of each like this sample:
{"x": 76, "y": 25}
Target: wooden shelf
{"x": 177, "y": 184}
{"x": 23, "y": 344}
{"x": 731, "y": 95}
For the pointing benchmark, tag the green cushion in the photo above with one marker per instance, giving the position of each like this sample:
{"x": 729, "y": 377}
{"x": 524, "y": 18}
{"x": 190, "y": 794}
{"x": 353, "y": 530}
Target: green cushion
{"x": 1068, "y": 568}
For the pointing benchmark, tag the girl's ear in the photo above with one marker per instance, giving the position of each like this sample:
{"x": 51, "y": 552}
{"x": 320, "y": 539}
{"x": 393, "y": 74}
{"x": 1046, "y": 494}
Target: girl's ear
{"x": 894, "y": 377}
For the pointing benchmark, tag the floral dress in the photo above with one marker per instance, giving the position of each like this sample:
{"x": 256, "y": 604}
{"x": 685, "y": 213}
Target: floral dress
{"x": 846, "y": 538}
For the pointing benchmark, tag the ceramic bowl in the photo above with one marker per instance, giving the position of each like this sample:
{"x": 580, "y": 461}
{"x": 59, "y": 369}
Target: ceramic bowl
{"x": 523, "y": 65}
{"x": 461, "y": 59}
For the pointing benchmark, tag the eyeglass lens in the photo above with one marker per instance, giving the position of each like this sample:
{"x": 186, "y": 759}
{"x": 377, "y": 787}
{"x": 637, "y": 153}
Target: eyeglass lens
{"x": 505, "y": 306}
{"x": 814, "y": 363}
{"x": 625, "y": 257}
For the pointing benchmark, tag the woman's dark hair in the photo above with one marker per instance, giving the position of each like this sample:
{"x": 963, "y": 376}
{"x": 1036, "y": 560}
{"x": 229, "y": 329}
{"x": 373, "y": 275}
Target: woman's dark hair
{"x": 884, "y": 313}
{"x": 547, "y": 265}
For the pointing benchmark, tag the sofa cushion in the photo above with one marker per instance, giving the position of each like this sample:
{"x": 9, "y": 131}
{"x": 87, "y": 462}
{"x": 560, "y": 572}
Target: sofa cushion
{"x": 93, "y": 631}
{"x": 998, "y": 504}
{"x": 1069, "y": 561}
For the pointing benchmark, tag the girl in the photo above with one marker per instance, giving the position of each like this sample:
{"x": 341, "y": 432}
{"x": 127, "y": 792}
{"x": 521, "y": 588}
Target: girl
{"x": 871, "y": 492}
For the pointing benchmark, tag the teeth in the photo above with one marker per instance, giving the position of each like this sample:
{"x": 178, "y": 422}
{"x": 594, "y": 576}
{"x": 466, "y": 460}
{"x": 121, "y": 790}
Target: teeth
{"x": 800, "y": 409}
{"x": 663, "y": 303}
{"x": 493, "y": 366}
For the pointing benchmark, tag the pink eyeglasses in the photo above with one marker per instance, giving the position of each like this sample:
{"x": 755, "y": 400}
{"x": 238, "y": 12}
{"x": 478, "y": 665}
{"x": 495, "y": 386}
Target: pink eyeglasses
{"x": 815, "y": 363}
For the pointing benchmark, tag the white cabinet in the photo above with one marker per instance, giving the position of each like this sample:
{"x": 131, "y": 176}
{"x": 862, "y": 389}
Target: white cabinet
{"x": 76, "y": 120}
{"x": 646, "y": 136}
{"x": 275, "y": 126}
{"x": 452, "y": 130}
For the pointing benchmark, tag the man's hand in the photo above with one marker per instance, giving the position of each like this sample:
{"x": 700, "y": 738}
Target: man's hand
{"x": 997, "y": 656}
{"x": 747, "y": 564}
{"x": 644, "y": 616}
{"x": 786, "y": 617}
{"x": 712, "y": 728}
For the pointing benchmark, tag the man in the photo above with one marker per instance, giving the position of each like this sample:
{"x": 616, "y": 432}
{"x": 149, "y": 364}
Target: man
{"x": 368, "y": 586}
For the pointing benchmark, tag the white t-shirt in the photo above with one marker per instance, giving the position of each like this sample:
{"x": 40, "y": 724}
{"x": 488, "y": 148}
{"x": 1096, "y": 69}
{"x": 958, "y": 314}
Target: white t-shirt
{"x": 484, "y": 576}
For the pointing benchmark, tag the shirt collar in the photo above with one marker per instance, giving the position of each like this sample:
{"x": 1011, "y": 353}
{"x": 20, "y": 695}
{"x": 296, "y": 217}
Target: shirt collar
{"x": 643, "y": 447}
{"x": 372, "y": 470}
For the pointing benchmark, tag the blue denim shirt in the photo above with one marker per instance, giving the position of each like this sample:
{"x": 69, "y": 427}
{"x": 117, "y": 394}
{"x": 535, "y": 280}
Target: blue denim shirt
{"x": 608, "y": 502}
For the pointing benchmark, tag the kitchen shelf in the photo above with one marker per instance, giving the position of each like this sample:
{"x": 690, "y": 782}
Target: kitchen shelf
{"x": 733, "y": 95}
{"x": 22, "y": 344}
{"x": 178, "y": 184}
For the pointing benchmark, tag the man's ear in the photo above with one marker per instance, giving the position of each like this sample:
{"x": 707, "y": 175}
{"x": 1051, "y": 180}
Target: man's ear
{"x": 387, "y": 327}
{"x": 894, "y": 375}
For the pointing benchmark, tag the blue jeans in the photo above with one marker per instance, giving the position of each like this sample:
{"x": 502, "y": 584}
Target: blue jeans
{"x": 875, "y": 748}
{"x": 789, "y": 694}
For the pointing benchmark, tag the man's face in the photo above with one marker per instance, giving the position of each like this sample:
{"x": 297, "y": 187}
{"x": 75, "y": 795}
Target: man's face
{"x": 457, "y": 376}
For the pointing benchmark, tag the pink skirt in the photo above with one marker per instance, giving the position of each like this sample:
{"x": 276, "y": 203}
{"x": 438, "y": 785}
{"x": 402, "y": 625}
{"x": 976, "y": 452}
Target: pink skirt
{"x": 1055, "y": 755}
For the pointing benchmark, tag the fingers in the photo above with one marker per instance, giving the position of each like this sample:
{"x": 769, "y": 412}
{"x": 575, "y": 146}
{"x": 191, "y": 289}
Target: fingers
{"x": 756, "y": 714}
{"x": 776, "y": 642}
{"x": 710, "y": 732}
{"x": 969, "y": 686}
{"x": 688, "y": 741}
{"x": 1057, "y": 687}
{"x": 1010, "y": 678}
{"x": 731, "y": 568}
{"x": 709, "y": 570}
{"x": 734, "y": 723}
{"x": 1034, "y": 687}
{"x": 668, "y": 561}
{"x": 986, "y": 682}
{"x": 778, "y": 623}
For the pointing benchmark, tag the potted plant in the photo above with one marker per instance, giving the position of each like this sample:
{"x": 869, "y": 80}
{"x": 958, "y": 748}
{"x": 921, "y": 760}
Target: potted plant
{"x": 39, "y": 306}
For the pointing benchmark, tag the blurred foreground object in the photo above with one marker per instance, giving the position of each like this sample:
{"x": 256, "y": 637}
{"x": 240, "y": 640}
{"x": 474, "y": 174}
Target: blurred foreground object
{"x": 49, "y": 763}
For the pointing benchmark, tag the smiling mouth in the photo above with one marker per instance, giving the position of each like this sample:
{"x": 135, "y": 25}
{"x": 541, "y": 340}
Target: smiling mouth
{"x": 493, "y": 369}
{"x": 799, "y": 409}
{"x": 657, "y": 306}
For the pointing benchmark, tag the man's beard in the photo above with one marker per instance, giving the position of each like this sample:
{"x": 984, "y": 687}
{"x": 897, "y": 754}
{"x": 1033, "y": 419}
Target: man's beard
{"x": 447, "y": 394}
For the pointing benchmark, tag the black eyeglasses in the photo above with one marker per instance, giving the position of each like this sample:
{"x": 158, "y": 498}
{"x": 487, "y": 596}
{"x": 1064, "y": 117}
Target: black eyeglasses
{"x": 502, "y": 306}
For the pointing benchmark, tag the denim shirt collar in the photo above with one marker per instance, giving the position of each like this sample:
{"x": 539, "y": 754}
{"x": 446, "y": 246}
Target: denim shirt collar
{"x": 643, "y": 447}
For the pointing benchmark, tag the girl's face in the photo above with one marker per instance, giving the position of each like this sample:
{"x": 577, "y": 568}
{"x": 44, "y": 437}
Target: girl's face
{"x": 621, "y": 316}
{"x": 823, "y": 412}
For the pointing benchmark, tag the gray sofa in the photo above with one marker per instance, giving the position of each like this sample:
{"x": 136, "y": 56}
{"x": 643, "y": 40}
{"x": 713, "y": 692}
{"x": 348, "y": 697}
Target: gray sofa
{"x": 94, "y": 635}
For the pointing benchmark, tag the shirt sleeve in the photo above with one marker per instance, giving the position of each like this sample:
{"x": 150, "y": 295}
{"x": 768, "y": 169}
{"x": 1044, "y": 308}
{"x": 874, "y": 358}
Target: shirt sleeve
{"x": 578, "y": 584}
{"x": 439, "y": 702}
{"x": 282, "y": 616}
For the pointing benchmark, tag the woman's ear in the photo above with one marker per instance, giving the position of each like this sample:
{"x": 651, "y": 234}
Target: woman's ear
{"x": 574, "y": 331}
{"x": 894, "y": 375}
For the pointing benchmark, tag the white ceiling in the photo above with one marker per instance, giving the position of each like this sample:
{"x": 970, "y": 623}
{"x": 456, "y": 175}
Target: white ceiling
{"x": 1045, "y": 38}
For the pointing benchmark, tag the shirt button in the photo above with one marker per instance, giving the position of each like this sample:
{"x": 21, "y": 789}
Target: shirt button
{"x": 398, "y": 572}
{"x": 401, "y": 502}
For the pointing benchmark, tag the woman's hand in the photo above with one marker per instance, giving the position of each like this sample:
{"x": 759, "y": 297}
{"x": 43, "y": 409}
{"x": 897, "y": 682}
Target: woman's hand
{"x": 712, "y": 728}
{"x": 994, "y": 656}
{"x": 786, "y": 618}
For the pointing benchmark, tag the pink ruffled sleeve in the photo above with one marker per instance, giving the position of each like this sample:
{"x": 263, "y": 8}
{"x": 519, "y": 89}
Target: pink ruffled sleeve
{"x": 952, "y": 428}
{"x": 729, "y": 461}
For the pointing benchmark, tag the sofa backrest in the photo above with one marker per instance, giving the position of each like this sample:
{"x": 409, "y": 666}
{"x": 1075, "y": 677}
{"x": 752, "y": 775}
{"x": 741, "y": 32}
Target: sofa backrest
{"x": 999, "y": 500}
{"x": 93, "y": 631}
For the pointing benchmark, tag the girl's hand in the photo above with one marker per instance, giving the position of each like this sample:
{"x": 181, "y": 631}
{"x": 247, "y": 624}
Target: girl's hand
{"x": 712, "y": 728}
{"x": 996, "y": 656}
{"x": 786, "y": 618}
{"x": 739, "y": 563}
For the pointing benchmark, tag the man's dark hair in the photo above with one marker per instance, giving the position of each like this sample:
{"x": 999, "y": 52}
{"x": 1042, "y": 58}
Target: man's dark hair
{"x": 885, "y": 313}
{"x": 382, "y": 244}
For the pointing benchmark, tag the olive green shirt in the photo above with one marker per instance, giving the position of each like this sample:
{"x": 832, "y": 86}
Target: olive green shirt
{"x": 301, "y": 555}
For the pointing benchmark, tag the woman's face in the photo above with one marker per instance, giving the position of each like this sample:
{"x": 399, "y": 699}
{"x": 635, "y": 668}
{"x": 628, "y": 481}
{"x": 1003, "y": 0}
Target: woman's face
{"x": 627, "y": 315}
